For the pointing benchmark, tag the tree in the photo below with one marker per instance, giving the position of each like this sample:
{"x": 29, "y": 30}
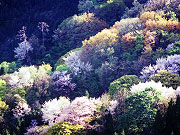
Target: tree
{"x": 140, "y": 113}
{"x": 123, "y": 83}
{"x": 43, "y": 27}
{"x": 24, "y": 47}
{"x": 167, "y": 79}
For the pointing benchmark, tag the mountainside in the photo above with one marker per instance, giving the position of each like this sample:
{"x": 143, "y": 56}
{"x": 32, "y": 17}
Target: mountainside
{"x": 90, "y": 67}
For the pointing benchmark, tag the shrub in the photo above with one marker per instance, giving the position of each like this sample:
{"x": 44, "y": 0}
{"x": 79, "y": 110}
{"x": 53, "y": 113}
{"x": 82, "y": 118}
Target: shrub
{"x": 123, "y": 83}
{"x": 167, "y": 79}
{"x": 65, "y": 128}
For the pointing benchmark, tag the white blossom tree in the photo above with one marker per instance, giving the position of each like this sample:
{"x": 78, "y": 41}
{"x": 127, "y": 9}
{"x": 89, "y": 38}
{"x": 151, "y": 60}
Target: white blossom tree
{"x": 22, "y": 51}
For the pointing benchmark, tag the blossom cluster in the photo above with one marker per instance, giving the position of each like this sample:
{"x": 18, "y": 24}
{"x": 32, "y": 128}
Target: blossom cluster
{"x": 21, "y": 109}
{"x": 53, "y": 108}
{"x": 62, "y": 82}
{"x": 171, "y": 64}
{"x": 77, "y": 66}
{"x": 166, "y": 94}
{"x": 22, "y": 50}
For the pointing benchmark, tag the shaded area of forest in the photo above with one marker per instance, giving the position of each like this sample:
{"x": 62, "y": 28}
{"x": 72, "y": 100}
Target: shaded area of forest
{"x": 17, "y": 13}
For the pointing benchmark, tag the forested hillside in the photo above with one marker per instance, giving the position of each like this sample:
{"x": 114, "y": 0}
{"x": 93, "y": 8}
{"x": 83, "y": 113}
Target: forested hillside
{"x": 89, "y": 67}
{"x": 17, "y": 13}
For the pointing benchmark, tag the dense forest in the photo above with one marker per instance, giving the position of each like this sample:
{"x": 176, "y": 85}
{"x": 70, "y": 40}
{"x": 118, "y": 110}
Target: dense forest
{"x": 89, "y": 67}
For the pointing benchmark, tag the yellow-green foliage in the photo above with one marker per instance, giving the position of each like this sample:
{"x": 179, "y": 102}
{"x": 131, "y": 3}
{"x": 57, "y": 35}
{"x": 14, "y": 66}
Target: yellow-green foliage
{"x": 46, "y": 67}
{"x": 105, "y": 37}
{"x": 65, "y": 128}
{"x": 7, "y": 67}
{"x": 123, "y": 83}
{"x": 83, "y": 18}
{"x": 3, "y": 88}
{"x": 3, "y": 108}
{"x": 167, "y": 79}
{"x": 62, "y": 67}
{"x": 19, "y": 90}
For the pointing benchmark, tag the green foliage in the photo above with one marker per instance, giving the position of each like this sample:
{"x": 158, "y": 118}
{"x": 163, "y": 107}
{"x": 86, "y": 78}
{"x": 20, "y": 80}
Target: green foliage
{"x": 140, "y": 113}
{"x": 46, "y": 67}
{"x": 171, "y": 15}
{"x": 20, "y": 91}
{"x": 6, "y": 67}
{"x": 167, "y": 38}
{"x": 62, "y": 68}
{"x": 4, "y": 109}
{"x": 89, "y": 84}
{"x": 132, "y": 53}
{"x": 158, "y": 53}
{"x": 176, "y": 49}
{"x": 123, "y": 83}
{"x": 111, "y": 11}
{"x": 139, "y": 44}
{"x": 3, "y": 88}
{"x": 167, "y": 79}
{"x": 72, "y": 32}
{"x": 65, "y": 128}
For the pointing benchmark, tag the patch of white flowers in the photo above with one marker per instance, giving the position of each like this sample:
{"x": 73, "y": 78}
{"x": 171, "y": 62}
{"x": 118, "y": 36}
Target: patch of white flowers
{"x": 21, "y": 109}
{"x": 77, "y": 66}
{"x": 166, "y": 94}
{"x": 22, "y": 50}
{"x": 53, "y": 108}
